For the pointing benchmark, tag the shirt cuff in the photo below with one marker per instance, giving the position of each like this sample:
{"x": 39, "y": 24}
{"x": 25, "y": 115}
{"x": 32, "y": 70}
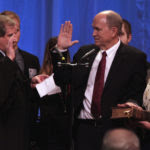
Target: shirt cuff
{"x": 60, "y": 50}
{"x": 48, "y": 87}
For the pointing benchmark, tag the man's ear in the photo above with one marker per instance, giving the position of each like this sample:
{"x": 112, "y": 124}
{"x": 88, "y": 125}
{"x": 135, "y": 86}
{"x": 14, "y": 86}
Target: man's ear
{"x": 114, "y": 31}
{"x": 129, "y": 38}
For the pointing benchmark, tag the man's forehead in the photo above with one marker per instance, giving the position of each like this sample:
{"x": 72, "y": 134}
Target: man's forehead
{"x": 10, "y": 29}
{"x": 100, "y": 19}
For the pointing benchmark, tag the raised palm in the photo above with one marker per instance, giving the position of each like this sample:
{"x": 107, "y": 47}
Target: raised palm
{"x": 65, "y": 36}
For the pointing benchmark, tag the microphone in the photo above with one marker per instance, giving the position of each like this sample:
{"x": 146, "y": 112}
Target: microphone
{"x": 59, "y": 53}
{"x": 60, "y": 64}
{"x": 88, "y": 53}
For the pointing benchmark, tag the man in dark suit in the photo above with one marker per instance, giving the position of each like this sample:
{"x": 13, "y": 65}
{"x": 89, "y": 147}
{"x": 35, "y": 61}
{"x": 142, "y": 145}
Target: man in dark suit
{"x": 28, "y": 63}
{"x": 119, "y": 70}
{"x": 14, "y": 93}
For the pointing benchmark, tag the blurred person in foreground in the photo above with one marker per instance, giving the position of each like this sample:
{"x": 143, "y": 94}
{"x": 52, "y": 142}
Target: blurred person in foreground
{"x": 120, "y": 139}
{"x": 15, "y": 92}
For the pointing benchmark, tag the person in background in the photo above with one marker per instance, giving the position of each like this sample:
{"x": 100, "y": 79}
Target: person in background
{"x": 120, "y": 139}
{"x": 126, "y": 33}
{"x": 126, "y": 37}
{"x": 55, "y": 113}
{"x": 15, "y": 92}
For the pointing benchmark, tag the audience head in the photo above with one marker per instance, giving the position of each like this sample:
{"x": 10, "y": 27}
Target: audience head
{"x": 106, "y": 29}
{"x": 120, "y": 139}
{"x": 7, "y": 30}
{"x": 47, "y": 66}
{"x": 12, "y": 15}
{"x": 126, "y": 34}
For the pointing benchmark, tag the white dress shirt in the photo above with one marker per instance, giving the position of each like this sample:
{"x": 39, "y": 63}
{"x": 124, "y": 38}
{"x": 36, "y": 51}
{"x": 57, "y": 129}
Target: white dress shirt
{"x": 86, "y": 112}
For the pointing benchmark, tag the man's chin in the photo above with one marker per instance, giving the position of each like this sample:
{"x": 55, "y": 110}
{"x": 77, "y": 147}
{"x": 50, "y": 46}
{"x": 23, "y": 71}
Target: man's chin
{"x": 15, "y": 44}
{"x": 15, "y": 47}
{"x": 97, "y": 43}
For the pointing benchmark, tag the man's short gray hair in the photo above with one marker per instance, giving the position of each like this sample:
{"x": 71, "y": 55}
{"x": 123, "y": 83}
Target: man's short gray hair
{"x": 5, "y": 21}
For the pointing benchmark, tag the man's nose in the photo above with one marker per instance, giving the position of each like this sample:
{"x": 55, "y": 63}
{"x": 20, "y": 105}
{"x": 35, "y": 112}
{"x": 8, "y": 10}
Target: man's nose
{"x": 14, "y": 37}
{"x": 94, "y": 33}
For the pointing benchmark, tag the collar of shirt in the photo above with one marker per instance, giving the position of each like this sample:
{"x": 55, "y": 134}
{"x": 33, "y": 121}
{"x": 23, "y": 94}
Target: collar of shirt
{"x": 60, "y": 50}
{"x": 2, "y": 53}
{"x": 109, "y": 59}
{"x": 112, "y": 50}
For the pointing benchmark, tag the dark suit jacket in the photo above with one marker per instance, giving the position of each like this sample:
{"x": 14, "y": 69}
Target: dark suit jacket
{"x": 31, "y": 68}
{"x": 30, "y": 62}
{"x": 14, "y": 106}
{"x": 125, "y": 81}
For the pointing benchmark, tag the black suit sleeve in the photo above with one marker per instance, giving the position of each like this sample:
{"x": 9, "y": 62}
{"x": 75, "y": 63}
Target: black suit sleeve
{"x": 9, "y": 83}
{"x": 63, "y": 73}
{"x": 137, "y": 83}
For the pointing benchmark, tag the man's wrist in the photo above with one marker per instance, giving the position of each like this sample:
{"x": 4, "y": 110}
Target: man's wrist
{"x": 60, "y": 49}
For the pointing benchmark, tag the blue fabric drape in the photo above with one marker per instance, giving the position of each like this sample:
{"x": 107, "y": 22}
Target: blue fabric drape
{"x": 41, "y": 19}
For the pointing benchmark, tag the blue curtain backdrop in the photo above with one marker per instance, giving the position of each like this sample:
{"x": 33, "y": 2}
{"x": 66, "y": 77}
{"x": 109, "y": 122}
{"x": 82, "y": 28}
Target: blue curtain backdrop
{"x": 41, "y": 19}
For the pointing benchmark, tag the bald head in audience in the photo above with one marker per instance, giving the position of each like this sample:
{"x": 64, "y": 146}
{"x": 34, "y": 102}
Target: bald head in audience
{"x": 120, "y": 139}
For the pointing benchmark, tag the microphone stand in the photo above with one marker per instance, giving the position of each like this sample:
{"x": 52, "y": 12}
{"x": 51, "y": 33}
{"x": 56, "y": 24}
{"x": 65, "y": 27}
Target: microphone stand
{"x": 64, "y": 87}
{"x": 63, "y": 63}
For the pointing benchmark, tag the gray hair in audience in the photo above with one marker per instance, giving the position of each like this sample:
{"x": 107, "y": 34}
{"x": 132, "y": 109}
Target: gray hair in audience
{"x": 120, "y": 139}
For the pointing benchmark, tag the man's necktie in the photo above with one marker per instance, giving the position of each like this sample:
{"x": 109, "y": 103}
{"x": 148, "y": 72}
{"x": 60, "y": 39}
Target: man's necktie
{"x": 19, "y": 61}
{"x": 98, "y": 87}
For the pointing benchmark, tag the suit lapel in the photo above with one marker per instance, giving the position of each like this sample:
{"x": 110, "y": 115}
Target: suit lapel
{"x": 26, "y": 71}
{"x": 1, "y": 55}
{"x": 116, "y": 64}
{"x": 92, "y": 58}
